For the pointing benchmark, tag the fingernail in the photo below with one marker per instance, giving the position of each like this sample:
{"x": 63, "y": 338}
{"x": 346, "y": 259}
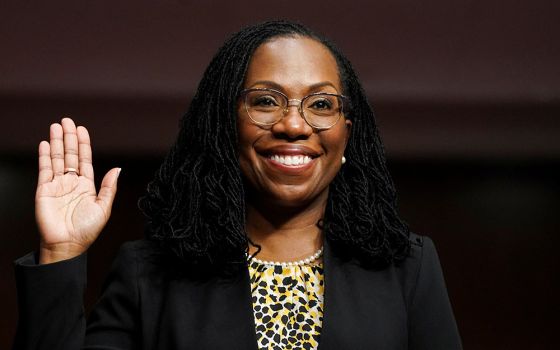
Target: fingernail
{"x": 118, "y": 172}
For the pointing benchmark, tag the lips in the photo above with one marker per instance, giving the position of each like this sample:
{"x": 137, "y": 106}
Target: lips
{"x": 293, "y": 156}
{"x": 290, "y": 160}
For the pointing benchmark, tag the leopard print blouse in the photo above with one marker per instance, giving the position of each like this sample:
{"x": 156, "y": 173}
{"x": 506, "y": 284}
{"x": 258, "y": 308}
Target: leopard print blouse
{"x": 287, "y": 305}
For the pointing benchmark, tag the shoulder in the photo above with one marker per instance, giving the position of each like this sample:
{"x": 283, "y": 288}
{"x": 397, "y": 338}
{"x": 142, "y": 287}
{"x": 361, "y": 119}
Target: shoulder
{"x": 140, "y": 248}
{"x": 141, "y": 256}
{"x": 420, "y": 248}
{"x": 422, "y": 255}
{"x": 421, "y": 269}
{"x": 418, "y": 272}
{"x": 136, "y": 251}
{"x": 431, "y": 320}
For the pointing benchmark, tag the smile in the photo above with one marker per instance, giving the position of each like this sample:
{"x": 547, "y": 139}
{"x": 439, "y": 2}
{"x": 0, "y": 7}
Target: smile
{"x": 290, "y": 160}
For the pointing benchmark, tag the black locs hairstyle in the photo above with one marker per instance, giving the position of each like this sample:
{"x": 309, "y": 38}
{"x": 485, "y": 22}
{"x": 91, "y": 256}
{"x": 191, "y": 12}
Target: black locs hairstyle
{"x": 195, "y": 205}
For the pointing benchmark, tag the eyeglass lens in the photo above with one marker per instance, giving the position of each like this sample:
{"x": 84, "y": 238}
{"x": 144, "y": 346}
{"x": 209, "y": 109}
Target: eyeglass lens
{"x": 268, "y": 107}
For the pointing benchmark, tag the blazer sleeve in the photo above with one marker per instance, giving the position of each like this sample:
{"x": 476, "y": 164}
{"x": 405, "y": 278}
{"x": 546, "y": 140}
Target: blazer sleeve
{"x": 431, "y": 322}
{"x": 51, "y": 312}
{"x": 50, "y": 303}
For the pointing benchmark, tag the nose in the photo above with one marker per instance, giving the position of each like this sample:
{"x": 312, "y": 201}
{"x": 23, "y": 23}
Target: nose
{"x": 292, "y": 125}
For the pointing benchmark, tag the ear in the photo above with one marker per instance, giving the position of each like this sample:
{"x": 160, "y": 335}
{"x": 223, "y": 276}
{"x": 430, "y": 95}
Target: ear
{"x": 348, "y": 124}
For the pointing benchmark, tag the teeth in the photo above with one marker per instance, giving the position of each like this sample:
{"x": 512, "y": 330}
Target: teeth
{"x": 290, "y": 160}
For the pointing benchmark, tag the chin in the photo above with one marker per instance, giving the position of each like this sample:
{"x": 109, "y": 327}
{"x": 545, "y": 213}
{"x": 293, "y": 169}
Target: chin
{"x": 295, "y": 199}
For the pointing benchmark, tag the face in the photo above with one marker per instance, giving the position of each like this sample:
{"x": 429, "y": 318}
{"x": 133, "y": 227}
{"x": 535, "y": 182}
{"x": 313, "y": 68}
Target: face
{"x": 297, "y": 67}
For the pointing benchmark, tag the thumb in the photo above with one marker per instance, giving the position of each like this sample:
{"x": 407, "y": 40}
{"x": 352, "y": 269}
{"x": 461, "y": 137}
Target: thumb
{"x": 108, "y": 189}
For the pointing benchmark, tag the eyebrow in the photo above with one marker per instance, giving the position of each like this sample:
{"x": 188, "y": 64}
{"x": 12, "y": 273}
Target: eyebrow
{"x": 279, "y": 87}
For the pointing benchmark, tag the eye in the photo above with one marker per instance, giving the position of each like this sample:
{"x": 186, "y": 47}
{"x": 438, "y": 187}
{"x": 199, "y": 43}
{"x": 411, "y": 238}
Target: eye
{"x": 265, "y": 101}
{"x": 321, "y": 103}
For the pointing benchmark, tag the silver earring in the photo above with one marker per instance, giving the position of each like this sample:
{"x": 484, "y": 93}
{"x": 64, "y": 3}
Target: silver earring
{"x": 343, "y": 159}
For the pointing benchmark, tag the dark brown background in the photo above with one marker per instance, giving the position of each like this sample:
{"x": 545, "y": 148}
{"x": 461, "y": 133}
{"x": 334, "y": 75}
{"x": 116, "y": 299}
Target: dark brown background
{"x": 467, "y": 95}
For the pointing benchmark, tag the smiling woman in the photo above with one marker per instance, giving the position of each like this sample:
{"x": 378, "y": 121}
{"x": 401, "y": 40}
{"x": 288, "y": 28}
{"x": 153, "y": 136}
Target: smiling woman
{"x": 272, "y": 223}
{"x": 289, "y": 162}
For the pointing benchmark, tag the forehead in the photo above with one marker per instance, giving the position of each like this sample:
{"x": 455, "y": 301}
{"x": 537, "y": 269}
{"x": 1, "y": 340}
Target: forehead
{"x": 293, "y": 63}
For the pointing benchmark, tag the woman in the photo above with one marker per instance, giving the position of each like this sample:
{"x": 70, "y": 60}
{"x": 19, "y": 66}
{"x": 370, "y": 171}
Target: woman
{"x": 272, "y": 222}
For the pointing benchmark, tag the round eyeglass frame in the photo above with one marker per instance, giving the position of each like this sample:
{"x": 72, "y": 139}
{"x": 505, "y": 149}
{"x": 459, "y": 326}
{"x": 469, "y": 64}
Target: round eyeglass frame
{"x": 299, "y": 105}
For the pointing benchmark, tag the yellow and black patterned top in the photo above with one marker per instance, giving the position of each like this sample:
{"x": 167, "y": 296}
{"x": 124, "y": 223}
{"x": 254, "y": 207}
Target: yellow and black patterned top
{"x": 287, "y": 305}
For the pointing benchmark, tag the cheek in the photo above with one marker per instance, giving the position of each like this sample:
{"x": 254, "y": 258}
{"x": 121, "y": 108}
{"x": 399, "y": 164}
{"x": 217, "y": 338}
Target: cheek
{"x": 243, "y": 146}
{"x": 244, "y": 133}
{"x": 335, "y": 140}
{"x": 248, "y": 134}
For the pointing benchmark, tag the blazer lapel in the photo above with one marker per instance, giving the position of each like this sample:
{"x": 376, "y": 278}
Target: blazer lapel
{"x": 213, "y": 314}
{"x": 363, "y": 309}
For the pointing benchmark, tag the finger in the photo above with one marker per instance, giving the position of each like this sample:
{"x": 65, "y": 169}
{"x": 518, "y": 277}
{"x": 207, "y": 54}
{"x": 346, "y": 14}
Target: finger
{"x": 108, "y": 189}
{"x": 70, "y": 144}
{"x": 84, "y": 153}
{"x": 45, "y": 165}
{"x": 57, "y": 149}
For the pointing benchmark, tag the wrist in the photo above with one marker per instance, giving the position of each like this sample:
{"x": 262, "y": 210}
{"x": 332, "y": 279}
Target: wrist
{"x": 52, "y": 253}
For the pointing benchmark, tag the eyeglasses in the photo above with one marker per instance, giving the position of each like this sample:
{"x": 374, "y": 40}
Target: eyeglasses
{"x": 268, "y": 106}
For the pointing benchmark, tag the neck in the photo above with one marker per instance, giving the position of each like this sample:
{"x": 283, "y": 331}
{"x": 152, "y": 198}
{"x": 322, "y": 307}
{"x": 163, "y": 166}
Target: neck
{"x": 285, "y": 234}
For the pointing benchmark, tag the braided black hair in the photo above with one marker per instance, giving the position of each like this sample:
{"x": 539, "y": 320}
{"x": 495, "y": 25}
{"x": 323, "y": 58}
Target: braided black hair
{"x": 195, "y": 205}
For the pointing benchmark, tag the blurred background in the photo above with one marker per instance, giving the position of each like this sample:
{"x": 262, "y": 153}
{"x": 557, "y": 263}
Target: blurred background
{"x": 467, "y": 97}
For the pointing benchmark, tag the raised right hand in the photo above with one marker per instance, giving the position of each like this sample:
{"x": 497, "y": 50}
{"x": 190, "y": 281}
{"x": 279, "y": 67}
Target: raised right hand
{"x": 70, "y": 213}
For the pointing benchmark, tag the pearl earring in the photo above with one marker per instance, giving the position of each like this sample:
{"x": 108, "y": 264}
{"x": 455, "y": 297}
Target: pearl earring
{"x": 343, "y": 159}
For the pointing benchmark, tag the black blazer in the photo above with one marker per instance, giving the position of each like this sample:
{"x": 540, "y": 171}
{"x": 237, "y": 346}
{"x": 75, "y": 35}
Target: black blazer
{"x": 145, "y": 305}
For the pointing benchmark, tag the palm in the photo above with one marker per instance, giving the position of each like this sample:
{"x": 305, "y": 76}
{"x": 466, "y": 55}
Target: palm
{"x": 66, "y": 207}
{"x": 68, "y": 210}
